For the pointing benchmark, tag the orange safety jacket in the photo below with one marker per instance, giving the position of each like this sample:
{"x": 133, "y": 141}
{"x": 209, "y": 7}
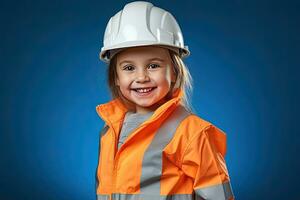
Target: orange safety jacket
{"x": 172, "y": 155}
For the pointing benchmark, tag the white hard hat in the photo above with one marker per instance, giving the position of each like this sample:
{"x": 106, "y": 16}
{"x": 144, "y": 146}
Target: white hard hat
{"x": 142, "y": 24}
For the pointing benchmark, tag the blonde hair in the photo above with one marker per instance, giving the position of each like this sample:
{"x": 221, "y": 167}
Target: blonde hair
{"x": 183, "y": 80}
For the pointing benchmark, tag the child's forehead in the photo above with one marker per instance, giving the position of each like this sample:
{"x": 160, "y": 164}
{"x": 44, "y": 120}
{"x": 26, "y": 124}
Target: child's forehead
{"x": 145, "y": 53}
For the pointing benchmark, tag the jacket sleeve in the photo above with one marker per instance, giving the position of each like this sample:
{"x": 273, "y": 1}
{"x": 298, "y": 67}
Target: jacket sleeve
{"x": 203, "y": 161}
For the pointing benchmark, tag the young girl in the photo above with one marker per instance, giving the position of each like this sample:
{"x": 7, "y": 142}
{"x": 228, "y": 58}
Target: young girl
{"x": 152, "y": 145}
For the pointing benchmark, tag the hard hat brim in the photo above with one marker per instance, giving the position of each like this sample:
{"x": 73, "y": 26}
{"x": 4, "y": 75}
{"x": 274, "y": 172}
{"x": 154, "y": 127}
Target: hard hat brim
{"x": 107, "y": 53}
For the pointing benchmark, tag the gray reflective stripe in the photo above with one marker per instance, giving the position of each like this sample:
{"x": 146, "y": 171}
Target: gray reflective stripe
{"x": 104, "y": 130}
{"x": 151, "y": 197}
{"x": 102, "y": 197}
{"x": 152, "y": 161}
{"x": 216, "y": 192}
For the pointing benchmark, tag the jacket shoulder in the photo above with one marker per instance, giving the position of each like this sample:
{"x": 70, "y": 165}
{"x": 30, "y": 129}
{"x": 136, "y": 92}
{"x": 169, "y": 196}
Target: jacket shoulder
{"x": 193, "y": 128}
{"x": 187, "y": 130}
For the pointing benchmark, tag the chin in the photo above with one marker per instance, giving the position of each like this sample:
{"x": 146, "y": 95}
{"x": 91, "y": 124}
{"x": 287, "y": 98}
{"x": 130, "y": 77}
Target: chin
{"x": 145, "y": 105}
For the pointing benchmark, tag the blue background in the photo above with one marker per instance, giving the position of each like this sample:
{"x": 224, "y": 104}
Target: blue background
{"x": 244, "y": 61}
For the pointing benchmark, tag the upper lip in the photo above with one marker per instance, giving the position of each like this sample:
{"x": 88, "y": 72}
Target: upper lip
{"x": 142, "y": 88}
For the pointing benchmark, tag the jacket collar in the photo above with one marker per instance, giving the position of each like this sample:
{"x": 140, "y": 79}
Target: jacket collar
{"x": 114, "y": 111}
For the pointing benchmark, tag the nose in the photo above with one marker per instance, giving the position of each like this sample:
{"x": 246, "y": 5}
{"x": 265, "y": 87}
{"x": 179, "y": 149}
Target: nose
{"x": 142, "y": 76}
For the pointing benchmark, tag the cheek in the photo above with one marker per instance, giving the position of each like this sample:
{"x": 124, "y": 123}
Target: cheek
{"x": 164, "y": 77}
{"x": 123, "y": 81}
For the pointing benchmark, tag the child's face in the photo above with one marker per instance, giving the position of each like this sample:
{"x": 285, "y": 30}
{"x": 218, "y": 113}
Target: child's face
{"x": 144, "y": 75}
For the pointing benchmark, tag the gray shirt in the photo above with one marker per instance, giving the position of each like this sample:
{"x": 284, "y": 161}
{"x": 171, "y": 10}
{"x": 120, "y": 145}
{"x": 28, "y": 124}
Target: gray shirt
{"x": 131, "y": 122}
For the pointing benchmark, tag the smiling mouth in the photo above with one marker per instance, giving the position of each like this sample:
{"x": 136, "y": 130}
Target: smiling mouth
{"x": 144, "y": 90}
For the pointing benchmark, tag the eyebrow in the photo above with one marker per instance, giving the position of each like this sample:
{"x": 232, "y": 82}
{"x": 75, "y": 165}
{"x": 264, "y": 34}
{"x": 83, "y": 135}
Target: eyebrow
{"x": 151, "y": 59}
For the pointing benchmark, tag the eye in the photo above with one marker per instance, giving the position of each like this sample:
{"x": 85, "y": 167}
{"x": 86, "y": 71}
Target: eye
{"x": 128, "y": 68}
{"x": 153, "y": 66}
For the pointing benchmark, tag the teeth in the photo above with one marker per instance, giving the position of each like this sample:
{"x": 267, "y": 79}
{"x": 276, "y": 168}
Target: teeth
{"x": 144, "y": 90}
